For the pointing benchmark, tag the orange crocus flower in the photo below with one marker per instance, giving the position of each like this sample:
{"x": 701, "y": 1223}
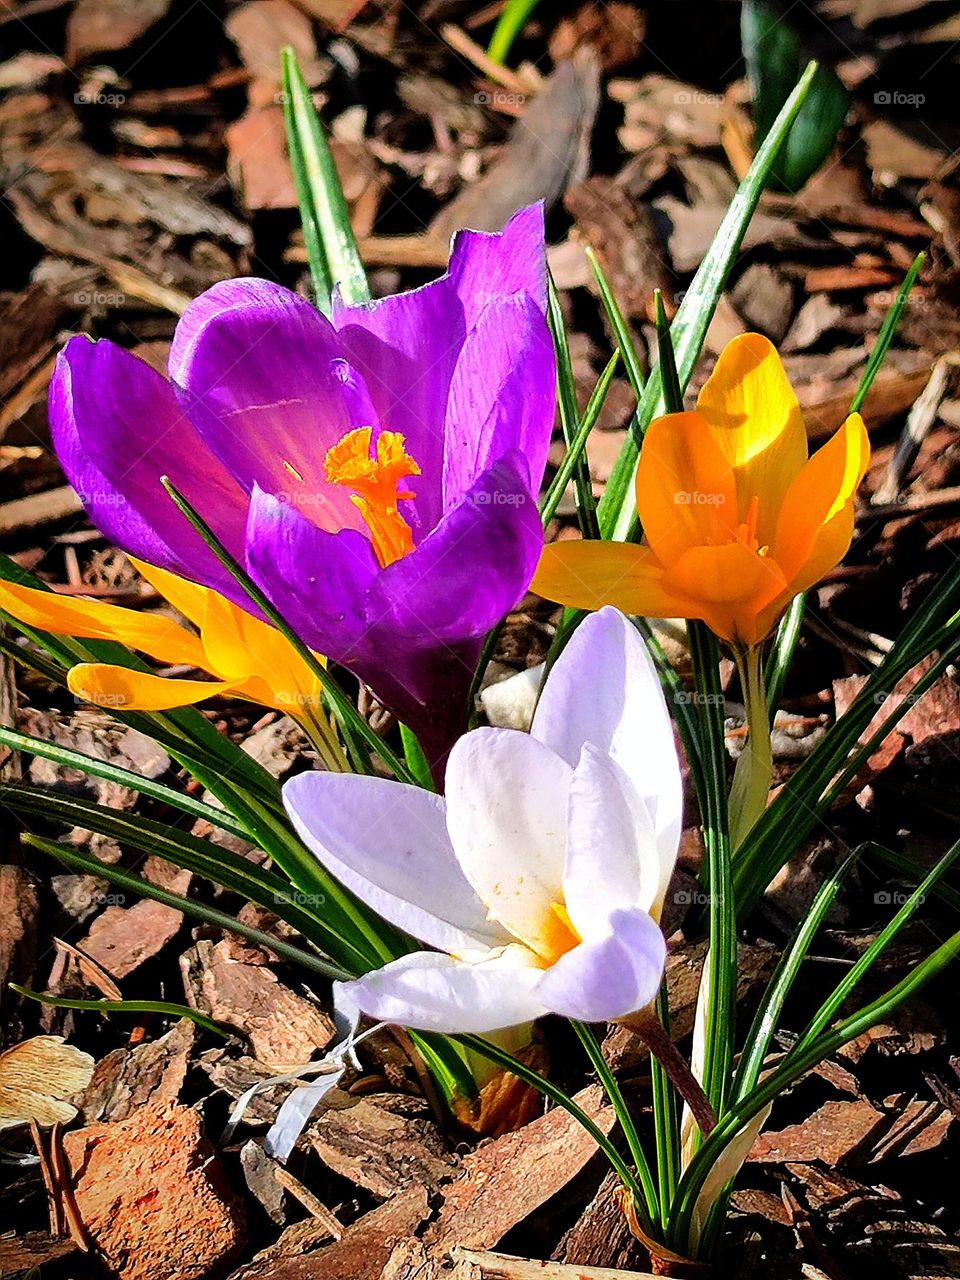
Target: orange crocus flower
{"x": 248, "y": 658}
{"x": 737, "y": 519}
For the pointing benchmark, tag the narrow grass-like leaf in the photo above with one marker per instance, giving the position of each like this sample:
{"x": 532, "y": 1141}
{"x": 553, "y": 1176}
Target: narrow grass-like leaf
{"x": 133, "y": 884}
{"x": 511, "y": 22}
{"x": 578, "y": 443}
{"x": 788, "y": 633}
{"x": 345, "y": 712}
{"x": 331, "y": 246}
{"x": 569, "y": 418}
{"x": 790, "y": 1071}
{"x": 617, "y": 511}
{"x": 124, "y": 1006}
{"x": 865, "y": 962}
{"x": 624, "y": 1115}
{"x": 153, "y": 790}
{"x": 767, "y": 1017}
{"x": 621, "y": 330}
{"x": 556, "y": 1095}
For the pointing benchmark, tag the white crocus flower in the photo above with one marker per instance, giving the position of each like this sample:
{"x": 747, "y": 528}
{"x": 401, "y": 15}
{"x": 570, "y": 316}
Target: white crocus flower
{"x": 539, "y": 877}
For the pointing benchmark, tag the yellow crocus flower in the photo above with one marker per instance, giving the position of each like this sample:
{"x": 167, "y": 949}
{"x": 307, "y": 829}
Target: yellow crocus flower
{"x": 737, "y": 519}
{"x": 247, "y": 658}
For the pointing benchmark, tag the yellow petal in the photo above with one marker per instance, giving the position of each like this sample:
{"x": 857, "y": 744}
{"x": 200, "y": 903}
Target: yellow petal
{"x": 118, "y": 689}
{"x": 815, "y": 524}
{"x": 588, "y": 575}
{"x": 160, "y": 637}
{"x": 731, "y": 584}
{"x": 188, "y": 598}
{"x": 757, "y": 422}
{"x": 686, "y": 495}
{"x": 240, "y": 647}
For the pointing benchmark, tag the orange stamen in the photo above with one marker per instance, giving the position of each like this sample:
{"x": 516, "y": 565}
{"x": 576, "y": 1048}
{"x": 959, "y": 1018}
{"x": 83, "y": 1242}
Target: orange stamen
{"x": 376, "y": 481}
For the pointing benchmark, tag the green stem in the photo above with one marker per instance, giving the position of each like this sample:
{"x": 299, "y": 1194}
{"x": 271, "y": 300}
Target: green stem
{"x": 754, "y": 771}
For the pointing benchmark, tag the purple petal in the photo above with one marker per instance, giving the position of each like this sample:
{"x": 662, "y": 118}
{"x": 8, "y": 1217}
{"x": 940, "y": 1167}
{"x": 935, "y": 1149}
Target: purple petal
{"x": 318, "y": 581}
{"x": 407, "y": 346}
{"x": 259, "y": 371}
{"x": 431, "y": 992}
{"x": 471, "y": 570}
{"x": 117, "y": 428}
{"x": 604, "y": 689}
{"x": 388, "y": 844}
{"x": 502, "y": 396}
{"x": 607, "y": 979}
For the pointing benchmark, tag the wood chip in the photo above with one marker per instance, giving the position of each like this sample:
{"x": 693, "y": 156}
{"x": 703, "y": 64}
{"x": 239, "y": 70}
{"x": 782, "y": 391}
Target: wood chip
{"x": 153, "y": 1197}
{"x": 832, "y": 1136}
{"x": 380, "y": 1150}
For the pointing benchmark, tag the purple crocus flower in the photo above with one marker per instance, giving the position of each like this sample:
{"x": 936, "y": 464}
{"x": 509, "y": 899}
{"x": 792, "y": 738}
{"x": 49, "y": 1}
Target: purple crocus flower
{"x": 376, "y": 472}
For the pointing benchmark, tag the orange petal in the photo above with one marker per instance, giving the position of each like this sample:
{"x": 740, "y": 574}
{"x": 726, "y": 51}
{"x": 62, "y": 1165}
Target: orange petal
{"x": 731, "y": 584}
{"x": 240, "y": 647}
{"x": 686, "y": 495}
{"x": 756, "y": 419}
{"x": 588, "y": 575}
{"x": 188, "y": 598}
{"x": 160, "y": 637}
{"x": 118, "y": 689}
{"x": 815, "y": 524}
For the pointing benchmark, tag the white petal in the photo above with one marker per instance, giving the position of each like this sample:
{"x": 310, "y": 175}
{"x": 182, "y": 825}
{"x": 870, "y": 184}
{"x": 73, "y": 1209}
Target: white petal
{"x": 607, "y": 979}
{"x": 604, "y": 689}
{"x": 612, "y": 858}
{"x": 507, "y": 818}
{"x": 388, "y": 843}
{"x": 431, "y": 992}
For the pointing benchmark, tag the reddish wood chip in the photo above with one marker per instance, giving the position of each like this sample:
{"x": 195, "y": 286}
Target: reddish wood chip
{"x": 831, "y": 1135}
{"x": 153, "y": 1198}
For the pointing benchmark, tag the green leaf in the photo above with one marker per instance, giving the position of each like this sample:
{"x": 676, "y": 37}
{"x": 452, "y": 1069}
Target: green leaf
{"x": 346, "y": 713}
{"x": 578, "y": 443}
{"x": 509, "y": 25}
{"x": 331, "y": 246}
{"x": 123, "y": 1006}
{"x": 75, "y": 861}
{"x": 775, "y": 58}
{"x": 617, "y": 511}
{"x": 569, "y": 418}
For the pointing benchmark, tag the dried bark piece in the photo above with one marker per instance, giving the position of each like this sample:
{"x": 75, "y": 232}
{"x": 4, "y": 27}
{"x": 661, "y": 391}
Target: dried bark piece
{"x": 36, "y": 1078}
{"x": 361, "y": 1254}
{"x": 506, "y": 1180}
{"x": 123, "y": 938}
{"x": 284, "y": 1029}
{"x": 153, "y": 1196}
{"x": 832, "y": 1135}
{"x": 18, "y": 928}
{"x": 108, "y": 26}
{"x": 380, "y": 1150}
{"x": 601, "y": 1236}
{"x": 151, "y": 1074}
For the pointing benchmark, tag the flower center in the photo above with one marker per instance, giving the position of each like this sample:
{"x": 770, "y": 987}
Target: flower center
{"x": 376, "y": 484}
{"x": 558, "y": 934}
{"x": 747, "y": 532}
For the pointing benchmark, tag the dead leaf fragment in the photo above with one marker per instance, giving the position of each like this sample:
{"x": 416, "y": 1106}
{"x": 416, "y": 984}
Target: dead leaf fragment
{"x": 36, "y": 1078}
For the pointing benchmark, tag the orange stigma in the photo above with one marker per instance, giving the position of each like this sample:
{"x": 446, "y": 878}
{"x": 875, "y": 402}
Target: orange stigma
{"x": 376, "y": 481}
